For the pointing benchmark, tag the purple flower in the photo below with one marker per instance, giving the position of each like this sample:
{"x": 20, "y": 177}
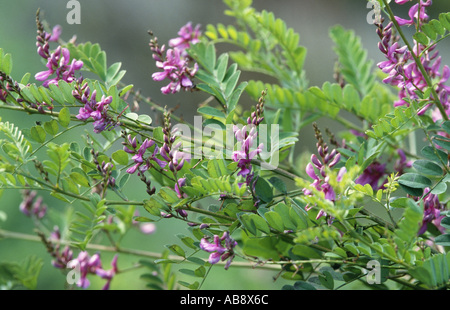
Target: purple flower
{"x": 175, "y": 62}
{"x": 93, "y": 266}
{"x": 187, "y": 36}
{"x": 372, "y": 175}
{"x": 432, "y": 212}
{"x": 30, "y": 208}
{"x": 138, "y": 157}
{"x": 402, "y": 70}
{"x": 175, "y": 68}
{"x": 93, "y": 109}
{"x": 58, "y": 62}
{"x": 178, "y": 185}
{"x": 316, "y": 170}
{"x": 56, "y": 33}
{"x": 414, "y": 13}
{"x": 246, "y": 136}
{"x": 222, "y": 248}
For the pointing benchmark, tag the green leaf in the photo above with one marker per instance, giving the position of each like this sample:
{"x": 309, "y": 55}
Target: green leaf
{"x": 192, "y": 286}
{"x": 64, "y": 117}
{"x": 445, "y": 222}
{"x": 38, "y": 134}
{"x": 274, "y": 220}
{"x": 259, "y": 223}
{"x": 51, "y": 127}
{"x": 443, "y": 240}
{"x": 421, "y": 38}
{"x": 221, "y": 68}
{"x": 56, "y": 93}
{"x": 326, "y": 279}
{"x": 446, "y": 126}
{"x": 210, "y": 57}
{"x": 445, "y": 22}
{"x": 354, "y": 66}
{"x": 6, "y": 64}
{"x": 443, "y": 142}
{"x": 176, "y": 249}
{"x": 414, "y": 180}
{"x": 79, "y": 179}
{"x": 188, "y": 241}
{"x": 216, "y": 168}
{"x": 263, "y": 190}
{"x": 428, "y": 168}
{"x": 112, "y": 71}
{"x": 211, "y": 112}
{"x": 234, "y": 98}
{"x": 278, "y": 184}
{"x": 155, "y": 205}
{"x": 144, "y": 118}
{"x": 305, "y": 251}
{"x": 168, "y": 195}
{"x": 302, "y": 285}
{"x": 429, "y": 31}
{"x": 231, "y": 84}
{"x": 66, "y": 90}
{"x": 434, "y": 154}
{"x": 25, "y": 78}
{"x": 120, "y": 157}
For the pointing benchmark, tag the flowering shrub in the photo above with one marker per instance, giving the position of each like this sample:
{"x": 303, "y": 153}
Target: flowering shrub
{"x": 366, "y": 194}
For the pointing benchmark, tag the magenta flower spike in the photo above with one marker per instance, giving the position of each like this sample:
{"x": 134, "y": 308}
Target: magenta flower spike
{"x": 57, "y": 62}
{"x": 175, "y": 62}
{"x": 222, "y": 248}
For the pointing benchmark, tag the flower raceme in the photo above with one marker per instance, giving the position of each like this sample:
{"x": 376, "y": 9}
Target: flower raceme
{"x": 222, "y": 248}
{"x": 247, "y": 137}
{"x": 403, "y": 72}
{"x": 175, "y": 62}
{"x": 31, "y": 206}
{"x": 417, "y": 12}
{"x": 83, "y": 264}
{"x": 321, "y": 180}
{"x": 58, "y": 61}
{"x": 187, "y": 36}
{"x": 432, "y": 212}
{"x": 93, "y": 109}
{"x": 93, "y": 265}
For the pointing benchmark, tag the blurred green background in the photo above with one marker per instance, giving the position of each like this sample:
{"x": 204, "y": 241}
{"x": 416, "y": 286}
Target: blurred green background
{"x": 120, "y": 27}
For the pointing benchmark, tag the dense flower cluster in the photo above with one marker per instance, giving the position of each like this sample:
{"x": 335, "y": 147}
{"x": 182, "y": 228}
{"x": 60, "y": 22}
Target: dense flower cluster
{"x": 57, "y": 61}
{"x": 31, "y": 206}
{"x": 141, "y": 164}
{"x": 321, "y": 180}
{"x": 247, "y": 136}
{"x": 175, "y": 62}
{"x": 172, "y": 157}
{"x": 97, "y": 110}
{"x": 372, "y": 175}
{"x": 222, "y": 248}
{"x": 83, "y": 264}
{"x": 403, "y": 72}
{"x": 432, "y": 211}
{"x": 168, "y": 157}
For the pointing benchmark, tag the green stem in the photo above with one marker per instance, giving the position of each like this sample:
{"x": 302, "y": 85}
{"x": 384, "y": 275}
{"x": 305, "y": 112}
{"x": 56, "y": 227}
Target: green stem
{"x": 148, "y": 254}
